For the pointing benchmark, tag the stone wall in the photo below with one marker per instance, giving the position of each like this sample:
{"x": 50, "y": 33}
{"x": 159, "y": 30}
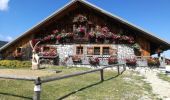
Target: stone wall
{"x": 123, "y": 52}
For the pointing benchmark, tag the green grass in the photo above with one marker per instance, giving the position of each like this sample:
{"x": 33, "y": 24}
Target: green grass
{"x": 164, "y": 77}
{"x": 128, "y": 86}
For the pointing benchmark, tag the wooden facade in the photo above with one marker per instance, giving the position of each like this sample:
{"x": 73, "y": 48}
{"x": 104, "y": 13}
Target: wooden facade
{"x": 63, "y": 21}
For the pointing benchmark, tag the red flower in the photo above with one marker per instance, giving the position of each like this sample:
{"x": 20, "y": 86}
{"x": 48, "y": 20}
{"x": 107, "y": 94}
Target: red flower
{"x": 131, "y": 62}
{"x": 105, "y": 29}
{"x": 58, "y": 37}
{"x": 34, "y": 41}
{"x": 124, "y": 38}
{"x": 114, "y": 36}
{"x": 55, "y": 31}
{"x": 94, "y": 61}
{"x": 112, "y": 60}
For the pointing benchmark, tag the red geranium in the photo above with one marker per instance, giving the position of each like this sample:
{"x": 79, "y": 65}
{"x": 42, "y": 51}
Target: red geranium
{"x": 94, "y": 61}
{"x": 131, "y": 62}
{"x": 55, "y": 31}
{"x": 105, "y": 29}
{"x": 115, "y": 36}
{"x": 58, "y": 37}
{"x": 124, "y": 37}
{"x": 112, "y": 60}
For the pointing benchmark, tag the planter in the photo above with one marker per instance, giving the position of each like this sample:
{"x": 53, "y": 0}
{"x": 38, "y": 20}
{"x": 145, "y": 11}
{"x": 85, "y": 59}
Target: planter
{"x": 94, "y": 61}
{"x": 112, "y": 60}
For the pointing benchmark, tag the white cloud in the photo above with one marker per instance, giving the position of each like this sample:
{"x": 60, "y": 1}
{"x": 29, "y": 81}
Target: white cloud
{"x": 9, "y": 38}
{"x": 6, "y": 38}
{"x": 4, "y": 5}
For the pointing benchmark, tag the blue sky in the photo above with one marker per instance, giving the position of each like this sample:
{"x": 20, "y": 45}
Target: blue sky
{"x": 17, "y": 16}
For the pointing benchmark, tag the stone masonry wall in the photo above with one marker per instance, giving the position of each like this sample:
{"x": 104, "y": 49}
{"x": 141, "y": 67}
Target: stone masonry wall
{"x": 123, "y": 52}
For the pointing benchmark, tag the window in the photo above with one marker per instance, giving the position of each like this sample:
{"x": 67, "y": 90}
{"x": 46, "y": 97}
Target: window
{"x": 19, "y": 50}
{"x": 79, "y": 50}
{"x": 96, "y": 50}
{"x": 90, "y": 50}
{"x": 105, "y": 50}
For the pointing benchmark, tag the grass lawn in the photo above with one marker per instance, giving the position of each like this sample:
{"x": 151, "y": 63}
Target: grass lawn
{"x": 128, "y": 86}
{"x": 164, "y": 77}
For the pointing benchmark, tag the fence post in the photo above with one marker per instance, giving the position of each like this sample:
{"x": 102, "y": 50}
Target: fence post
{"x": 37, "y": 89}
{"x": 118, "y": 70}
{"x": 101, "y": 75}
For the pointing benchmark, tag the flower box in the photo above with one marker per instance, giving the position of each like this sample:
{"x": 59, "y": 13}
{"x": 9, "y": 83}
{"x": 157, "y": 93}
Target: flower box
{"x": 112, "y": 60}
{"x": 94, "y": 61}
{"x": 131, "y": 62}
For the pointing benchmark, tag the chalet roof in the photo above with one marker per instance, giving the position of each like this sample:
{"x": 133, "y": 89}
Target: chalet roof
{"x": 144, "y": 32}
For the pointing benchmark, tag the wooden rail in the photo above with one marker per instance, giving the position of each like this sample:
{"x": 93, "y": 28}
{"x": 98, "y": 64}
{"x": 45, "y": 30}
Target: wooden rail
{"x": 38, "y": 81}
{"x": 53, "y": 78}
{"x": 18, "y": 77}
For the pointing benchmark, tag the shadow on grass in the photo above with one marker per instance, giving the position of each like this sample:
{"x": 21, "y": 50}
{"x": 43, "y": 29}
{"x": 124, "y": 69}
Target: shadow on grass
{"x": 86, "y": 87}
{"x": 14, "y": 95}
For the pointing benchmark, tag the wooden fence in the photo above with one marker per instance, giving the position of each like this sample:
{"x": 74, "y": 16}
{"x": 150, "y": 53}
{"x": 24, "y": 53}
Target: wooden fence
{"x": 38, "y": 81}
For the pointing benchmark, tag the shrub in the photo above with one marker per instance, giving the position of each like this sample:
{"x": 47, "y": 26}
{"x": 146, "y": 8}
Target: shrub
{"x": 15, "y": 64}
{"x": 112, "y": 60}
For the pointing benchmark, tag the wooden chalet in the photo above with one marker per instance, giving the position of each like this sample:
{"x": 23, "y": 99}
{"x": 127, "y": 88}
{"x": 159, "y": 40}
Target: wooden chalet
{"x": 81, "y": 30}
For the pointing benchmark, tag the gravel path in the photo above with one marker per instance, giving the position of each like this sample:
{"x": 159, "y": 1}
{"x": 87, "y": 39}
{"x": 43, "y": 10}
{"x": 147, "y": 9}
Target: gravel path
{"x": 159, "y": 86}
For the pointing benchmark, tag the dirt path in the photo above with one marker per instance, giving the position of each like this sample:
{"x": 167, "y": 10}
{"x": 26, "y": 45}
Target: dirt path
{"x": 159, "y": 86}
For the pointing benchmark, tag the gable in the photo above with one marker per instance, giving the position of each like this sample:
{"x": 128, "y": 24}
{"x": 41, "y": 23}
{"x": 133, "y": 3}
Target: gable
{"x": 65, "y": 15}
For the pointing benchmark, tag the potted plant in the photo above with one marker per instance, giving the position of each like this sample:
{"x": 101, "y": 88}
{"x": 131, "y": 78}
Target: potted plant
{"x": 94, "y": 61}
{"x": 69, "y": 37}
{"x": 100, "y": 37}
{"x": 112, "y": 60}
{"x": 108, "y": 37}
{"x": 116, "y": 37}
{"x": 131, "y": 62}
{"x": 131, "y": 40}
{"x": 92, "y": 37}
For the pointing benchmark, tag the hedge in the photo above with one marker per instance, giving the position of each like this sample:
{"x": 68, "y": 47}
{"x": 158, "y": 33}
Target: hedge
{"x": 15, "y": 64}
